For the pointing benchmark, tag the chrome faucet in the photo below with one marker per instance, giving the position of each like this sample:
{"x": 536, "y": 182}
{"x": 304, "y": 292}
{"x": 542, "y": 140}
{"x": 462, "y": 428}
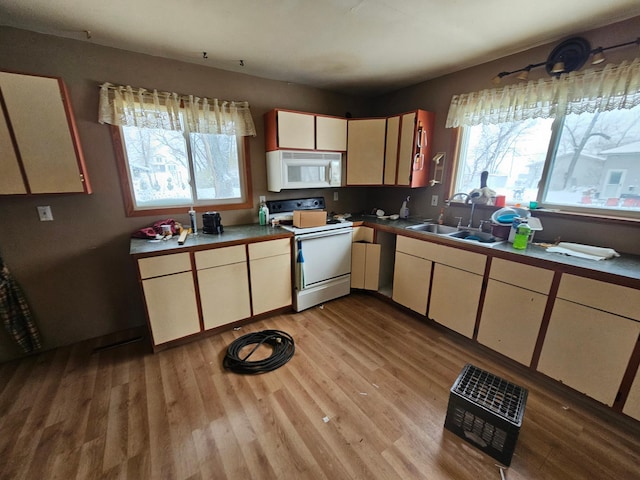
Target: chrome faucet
{"x": 467, "y": 199}
{"x": 459, "y": 194}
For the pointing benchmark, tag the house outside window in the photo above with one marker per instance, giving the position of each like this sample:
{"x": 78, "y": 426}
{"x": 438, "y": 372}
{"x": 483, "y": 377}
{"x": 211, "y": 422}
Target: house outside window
{"x": 165, "y": 171}
{"x": 175, "y": 151}
{"x": 571, "y": 142}
{"x": 580, "y": 162}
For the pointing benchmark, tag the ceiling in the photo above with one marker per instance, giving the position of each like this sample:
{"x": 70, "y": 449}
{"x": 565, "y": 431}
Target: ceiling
{"x": 364, "y": 47}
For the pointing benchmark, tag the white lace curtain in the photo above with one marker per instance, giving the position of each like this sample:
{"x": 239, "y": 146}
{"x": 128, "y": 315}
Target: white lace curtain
{"x": 124, "y": 106}
{"x": 613, "y": 88}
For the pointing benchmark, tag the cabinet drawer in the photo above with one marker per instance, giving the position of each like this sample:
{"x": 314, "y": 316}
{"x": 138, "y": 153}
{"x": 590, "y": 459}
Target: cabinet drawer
{"x": 217, "y": 257}
{"x": 525, "y": 276}
{"x": 414, "y": 247}
{"x": 269, "y": 249}
{"x": 454, "y": 257}
{"x": 605, "y": 296}
{"x": 164, "y": 265}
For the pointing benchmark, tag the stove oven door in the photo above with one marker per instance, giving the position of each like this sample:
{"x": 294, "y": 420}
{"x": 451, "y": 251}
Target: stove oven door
{"x": 327, "y": 256}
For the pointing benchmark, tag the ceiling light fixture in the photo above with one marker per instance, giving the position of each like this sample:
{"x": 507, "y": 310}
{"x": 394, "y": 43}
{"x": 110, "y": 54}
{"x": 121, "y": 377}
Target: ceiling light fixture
{"x": 568, "y": 56}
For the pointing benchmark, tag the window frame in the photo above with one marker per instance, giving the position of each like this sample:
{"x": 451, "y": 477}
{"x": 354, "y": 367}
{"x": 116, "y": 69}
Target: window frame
{"x": 127, "y": 192}
{"x": 547, "y": 207}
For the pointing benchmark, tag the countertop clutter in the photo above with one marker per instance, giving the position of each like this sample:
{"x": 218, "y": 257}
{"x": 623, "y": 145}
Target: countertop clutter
{"x": 624, "y": 266}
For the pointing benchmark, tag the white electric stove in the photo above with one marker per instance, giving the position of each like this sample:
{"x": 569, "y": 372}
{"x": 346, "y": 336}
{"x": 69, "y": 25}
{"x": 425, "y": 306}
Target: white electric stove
{"x": 322, "y": 254}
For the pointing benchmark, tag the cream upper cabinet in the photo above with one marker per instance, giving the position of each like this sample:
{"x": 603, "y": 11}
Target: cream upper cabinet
{"x": 39, "y": 136}
{"x": 365, "y": 151}
{"x": 170, "y": 296}
{"x": 514, "y": 305}
{"x": 223, "y": 280}
{"x": 270, "y": 267}
{"x": 331, "y": 133}
{"x": 592, "y": 332}
{"x": 296, "y": 130}
{"x": 408, "y": 152}
{"x": 391, "y": 150}
{"x": 290, "y": 130}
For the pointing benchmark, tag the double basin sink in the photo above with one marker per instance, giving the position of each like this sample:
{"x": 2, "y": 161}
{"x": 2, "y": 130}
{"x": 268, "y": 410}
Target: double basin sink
{"x": 467, "y": 235}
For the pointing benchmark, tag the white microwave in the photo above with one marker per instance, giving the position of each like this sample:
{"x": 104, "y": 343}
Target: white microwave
{"x": 288, "y": 169}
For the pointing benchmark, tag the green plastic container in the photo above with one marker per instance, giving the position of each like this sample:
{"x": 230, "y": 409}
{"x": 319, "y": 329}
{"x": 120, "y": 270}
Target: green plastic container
{"x": 521, "y": 238}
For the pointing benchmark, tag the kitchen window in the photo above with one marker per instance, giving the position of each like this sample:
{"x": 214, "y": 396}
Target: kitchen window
{"x": 579, "y": 154}
{"x": 175, "y": 152}
{"x": 580, "y": 162}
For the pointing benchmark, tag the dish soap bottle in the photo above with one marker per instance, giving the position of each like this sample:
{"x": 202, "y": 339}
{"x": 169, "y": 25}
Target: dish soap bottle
{"x": 441, "y": 217}
{"x": 521, "y": 238}
{"x": 263, "y": 214}
{"x": 404, "y": 210}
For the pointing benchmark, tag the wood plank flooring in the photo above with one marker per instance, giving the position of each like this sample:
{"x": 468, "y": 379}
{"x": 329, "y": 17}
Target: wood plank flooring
{"x": 379, "y": 375}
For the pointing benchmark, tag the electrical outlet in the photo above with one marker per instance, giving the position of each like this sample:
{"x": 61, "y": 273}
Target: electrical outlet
{"x": 434, "y": 200}
{"x": 45, "y": 214}
{"x": 335, "y": 196}
{"x": 263, "y": 199}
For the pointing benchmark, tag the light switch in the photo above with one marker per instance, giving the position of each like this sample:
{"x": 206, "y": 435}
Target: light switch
{"x": 45, "y": 214}
{"x": 434, "y": 200}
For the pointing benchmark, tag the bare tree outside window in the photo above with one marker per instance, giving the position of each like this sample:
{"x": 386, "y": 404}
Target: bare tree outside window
{"x": 596, "y": 163}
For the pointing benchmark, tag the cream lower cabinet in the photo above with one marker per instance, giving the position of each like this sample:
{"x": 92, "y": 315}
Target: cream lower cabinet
{"x": 592, "y": 332}
{"x": 456, "y": 288}
{"x": 412, "y": 274}
{"x": 223, "y": 281}
{"x": 170, "y": 296}
{"x": 514, "y": 305}
{"x": 270, "y": 272}
{"x": 455, "y": 295}
{"x": 365, "y": 260}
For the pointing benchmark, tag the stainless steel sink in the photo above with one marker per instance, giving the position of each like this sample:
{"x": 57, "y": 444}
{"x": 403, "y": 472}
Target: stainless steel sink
{"x": 433, "y": 228}
{"x": 479, "y": 237}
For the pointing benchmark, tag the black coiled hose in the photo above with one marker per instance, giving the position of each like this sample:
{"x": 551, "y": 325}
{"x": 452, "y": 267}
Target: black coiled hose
{"x": 281, "y": 342}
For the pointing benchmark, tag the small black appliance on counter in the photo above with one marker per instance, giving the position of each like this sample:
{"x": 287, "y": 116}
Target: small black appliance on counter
{"x": 212, "y": 223}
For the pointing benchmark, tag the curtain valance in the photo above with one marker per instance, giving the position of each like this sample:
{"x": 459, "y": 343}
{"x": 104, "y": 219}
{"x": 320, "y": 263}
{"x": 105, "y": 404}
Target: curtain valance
{"x": 124, "y": 106}
{"x": 613, "y": 88}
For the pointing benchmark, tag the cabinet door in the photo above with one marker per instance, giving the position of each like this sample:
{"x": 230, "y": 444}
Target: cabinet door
{"x": 224, "y": 294}
{"x": 44, "y": 129}
{"x": 11, "y": 181}
{"x": 455, "y": 295}
{"x": 588, "y": 349}
{"x": 391, "y": 150}
{"x": 171, "y": 306}
{"x": 296, "y": 130}
{"x": 331, "y": 133}
{"x": 406, "y": 149}
{"x": 365, "y": 151}
{"x": 365, "y": 266}
{"x": 511, "y": 319}
{"x": 411, "y": 279}
{"x": 270, "y": 283}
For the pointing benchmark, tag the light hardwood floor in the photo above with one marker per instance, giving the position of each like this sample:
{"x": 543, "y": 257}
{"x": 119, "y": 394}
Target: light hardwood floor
{"x": 380, "y": 376}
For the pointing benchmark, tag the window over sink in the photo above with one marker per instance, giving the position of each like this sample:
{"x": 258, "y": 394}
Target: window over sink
{"x": 571, "y": 142}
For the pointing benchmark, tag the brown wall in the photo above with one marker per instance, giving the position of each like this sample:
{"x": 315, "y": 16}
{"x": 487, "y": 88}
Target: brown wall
{"x": 435, "y": 95}
{"x": 76, "y": 271}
